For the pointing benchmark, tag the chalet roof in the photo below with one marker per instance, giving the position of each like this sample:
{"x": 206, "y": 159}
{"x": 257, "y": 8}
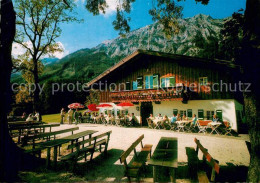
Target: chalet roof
{"x": 161, "y": 54}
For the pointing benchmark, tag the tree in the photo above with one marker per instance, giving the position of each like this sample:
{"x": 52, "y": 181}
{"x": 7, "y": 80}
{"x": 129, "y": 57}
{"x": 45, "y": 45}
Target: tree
{"x": 37, "y": 29}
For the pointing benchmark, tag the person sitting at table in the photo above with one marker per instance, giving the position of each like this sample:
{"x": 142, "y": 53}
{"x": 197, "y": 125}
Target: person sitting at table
{"x": 165, "y": 121}
{"x": 184, "y": 117}
{"x": 194, "y": 120}
{"x": 30, "y": 118}
{"x": 215, "y": 119}
{"x": 150, "y": 120}
{"x": 133, "y": 120}
{"x": 178, "y": 117}
{"x": 159, "y": 116}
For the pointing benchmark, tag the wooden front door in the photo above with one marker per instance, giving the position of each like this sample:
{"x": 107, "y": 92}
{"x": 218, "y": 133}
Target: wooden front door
{"x": 146, "y": 110}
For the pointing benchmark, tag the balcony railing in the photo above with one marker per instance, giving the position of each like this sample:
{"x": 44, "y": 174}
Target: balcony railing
{"x": 147, "y": 95}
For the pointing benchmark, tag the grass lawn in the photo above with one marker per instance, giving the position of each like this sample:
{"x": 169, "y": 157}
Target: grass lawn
{"x": 54, "y": 117}
{"x": 51, "y": 118}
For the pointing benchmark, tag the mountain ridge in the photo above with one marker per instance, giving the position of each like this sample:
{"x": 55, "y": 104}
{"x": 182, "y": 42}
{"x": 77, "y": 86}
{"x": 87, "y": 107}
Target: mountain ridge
{"x": 198, "y": 36}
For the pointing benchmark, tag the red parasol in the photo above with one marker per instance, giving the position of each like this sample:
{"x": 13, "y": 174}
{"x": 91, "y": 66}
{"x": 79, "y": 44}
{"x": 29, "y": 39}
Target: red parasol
{"x": 76, "y": 106}
{"x": 104, "y": 106}
{"x": 93, "y": 107}
{"x": 125, "y": 104}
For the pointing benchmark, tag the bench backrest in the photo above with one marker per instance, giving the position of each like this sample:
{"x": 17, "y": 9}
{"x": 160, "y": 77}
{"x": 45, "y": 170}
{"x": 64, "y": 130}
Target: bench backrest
{"x": 94, "y": 139}
{"x": 130, "y": 149}
{"x": 208, "y": 157}
{"x": 203, "y": 123}
{"x": 54, "y": 133}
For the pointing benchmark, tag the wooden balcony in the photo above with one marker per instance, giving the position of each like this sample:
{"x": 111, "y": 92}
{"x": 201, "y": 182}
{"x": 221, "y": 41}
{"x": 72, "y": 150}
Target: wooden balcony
{"x": 147, "y": 95}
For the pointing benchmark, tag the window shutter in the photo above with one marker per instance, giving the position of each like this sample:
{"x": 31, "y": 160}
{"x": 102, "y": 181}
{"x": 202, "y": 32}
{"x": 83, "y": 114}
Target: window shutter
{"x": 201, "y": 114}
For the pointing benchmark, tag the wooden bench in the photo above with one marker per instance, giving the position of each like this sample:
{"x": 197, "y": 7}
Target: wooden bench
{"x": 47, "y": 135}
{"x": 84, "y": 147}
{"x": 133, "y": 168}
{"x": 193, "y": 163}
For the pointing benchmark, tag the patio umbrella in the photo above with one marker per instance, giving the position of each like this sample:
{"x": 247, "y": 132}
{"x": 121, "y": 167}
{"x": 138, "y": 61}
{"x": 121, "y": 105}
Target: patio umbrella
{"x": 104, "y": 106}
{"x": 125, "y": 104}
{"x": 76, "y": 106}
{"x": 93, "y": 107}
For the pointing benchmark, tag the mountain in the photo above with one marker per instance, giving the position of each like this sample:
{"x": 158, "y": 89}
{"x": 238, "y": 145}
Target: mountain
{"x": 47, "y": 61}
{"x": 198, "y": 36}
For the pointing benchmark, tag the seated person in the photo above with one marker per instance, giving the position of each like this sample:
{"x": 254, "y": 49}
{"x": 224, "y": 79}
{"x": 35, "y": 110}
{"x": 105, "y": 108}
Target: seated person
{"x": 165, "y": 121}
{"x": 184, "y": 117}
{"x": 159, "y": 116}
{"x": 30, "y": 118}
{"x": 215, "y": 119}
{"x": 133, "y": 121}
{"x": 178, "y": 117}
{"x": 174, "y": 119}
{"x": 150, "y": 120}
{"x": 194, "y": 119}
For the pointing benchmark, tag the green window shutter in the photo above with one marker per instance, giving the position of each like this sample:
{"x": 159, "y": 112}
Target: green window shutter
{"x": 219, "y": 115}
{"x": 201, "y": 114}
{"x": 172, "y": 82}
{"x": 127, "y": 86}
{"x": 163, "y": 83}
{"x": 134, "y": 85}
{"x": 175, "y": 111}
{"x": 147, "y": 82}
{"x": 189, "y": 111}
{"x": 140, "y": 82}
{"x": 155, "y": 81}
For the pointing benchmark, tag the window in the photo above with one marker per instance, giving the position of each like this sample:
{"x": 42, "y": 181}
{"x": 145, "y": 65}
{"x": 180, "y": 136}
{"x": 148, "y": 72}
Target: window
{"x": 219, "y": 115}
{"x": 201, "y": 114}
{"x": 167, "y": 82}
{"x": 182, "y": 112}
{"x": 189, "y": 111}
{"x": 155, "y": 81}
{"x": 203, "y": 81}
{"x": 175, "y": 111}
{"x": 210, "y": 115}
{"x": 127, "y": 86}
{"x": 134, "y": 85}
{"x": 140, "y": 82}
{"x": 149, "y": 82}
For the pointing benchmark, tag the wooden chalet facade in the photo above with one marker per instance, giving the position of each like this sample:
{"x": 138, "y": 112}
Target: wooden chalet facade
{"x": 167, "y": 83}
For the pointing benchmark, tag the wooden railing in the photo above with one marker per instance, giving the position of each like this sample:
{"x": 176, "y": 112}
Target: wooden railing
{"x": 146, "y": 95}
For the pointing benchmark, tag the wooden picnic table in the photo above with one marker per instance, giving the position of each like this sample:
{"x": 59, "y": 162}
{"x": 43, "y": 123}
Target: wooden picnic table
{"x": 41, "y": 127}
{"x": 58, "y": 142}
{"x": 165, "y": 155}
{"x": 23, "y": 123}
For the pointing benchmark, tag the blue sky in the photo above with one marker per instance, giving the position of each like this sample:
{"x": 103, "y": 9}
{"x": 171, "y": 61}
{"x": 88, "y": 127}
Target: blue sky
{"x": 96, "y": 29}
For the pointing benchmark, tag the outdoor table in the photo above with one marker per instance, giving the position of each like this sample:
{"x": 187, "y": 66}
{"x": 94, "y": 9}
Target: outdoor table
{"x": 58, "y": 142}
{"x": 165, "y": 155}
{"x": 157, "y": 121}
{"x": 22, "y": 128}
{"x": 182, "y": 124}
{"x": 214, "y": 126}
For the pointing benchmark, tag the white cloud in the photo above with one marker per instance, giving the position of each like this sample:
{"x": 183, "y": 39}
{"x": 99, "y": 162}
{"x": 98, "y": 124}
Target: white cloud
{"x": 112, "y": 4}
{"x": 18, "y": 49}
{"x": 61, "y": 54}
{"x": 110, "y": 10}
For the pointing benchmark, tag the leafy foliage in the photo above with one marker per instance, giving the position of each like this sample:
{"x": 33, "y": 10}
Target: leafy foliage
{"x": 93, "y": 97}
{"x": 232, "y": 36}
{"x": 37, "y": 29}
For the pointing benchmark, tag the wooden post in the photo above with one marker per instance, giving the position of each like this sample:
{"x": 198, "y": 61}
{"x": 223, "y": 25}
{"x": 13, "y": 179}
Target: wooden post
{"x": 55, "y": 156}
{"x": 48, "y": 160}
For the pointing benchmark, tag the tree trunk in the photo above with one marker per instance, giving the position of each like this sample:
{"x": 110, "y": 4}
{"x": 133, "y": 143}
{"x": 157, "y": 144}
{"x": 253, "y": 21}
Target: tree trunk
{"x": 12, "y": 158}
{"x": 250, "y": 62}
{"x": 7, "y": 146}
{"x": 36, "y": 82}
